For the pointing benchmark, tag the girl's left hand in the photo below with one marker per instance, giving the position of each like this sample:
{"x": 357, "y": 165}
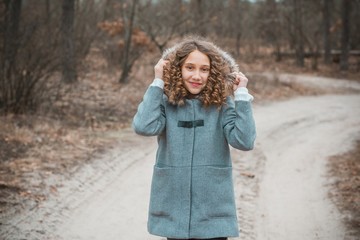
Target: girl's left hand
{"x": 240, "y": 80}
{"x": 159, "y": 68}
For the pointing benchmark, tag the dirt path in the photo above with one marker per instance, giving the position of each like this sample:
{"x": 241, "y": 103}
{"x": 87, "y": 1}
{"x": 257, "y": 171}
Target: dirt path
{"x": 281, "y": 186}
{"x": 293, "y": 195}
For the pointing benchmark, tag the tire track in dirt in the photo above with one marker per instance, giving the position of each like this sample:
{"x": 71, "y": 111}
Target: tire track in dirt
{"x": 248, "y": 169}
{"x": 77, "y": 192}
{"x": 285, "y": 137}
{"x": 293, "y": 198}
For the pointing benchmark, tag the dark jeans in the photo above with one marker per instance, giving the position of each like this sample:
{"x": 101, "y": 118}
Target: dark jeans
{"x": 220, "y": 238}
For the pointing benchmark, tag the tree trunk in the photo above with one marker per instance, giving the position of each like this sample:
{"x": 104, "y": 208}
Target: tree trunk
{"x": 12, "y": 20}
{"x": 299, "y": 46}
{"x": 199, "y": 16}
{"x": 47, "y": 10}
{"x": 345, "y": 34}
{"x": 237, "y": 45}
{"x": 69, "y": 74}
{"x": 326, "y": 22}
{"x": 278, "y": 53}
{"x": 314, "y": 59}
{"x": 10, "y": 47}
{"x": 108, "y": 8}
{"x": 126, "y": 66}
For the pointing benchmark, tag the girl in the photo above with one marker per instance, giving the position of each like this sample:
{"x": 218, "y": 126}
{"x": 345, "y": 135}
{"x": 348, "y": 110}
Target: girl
{"x": 189, "y": 108}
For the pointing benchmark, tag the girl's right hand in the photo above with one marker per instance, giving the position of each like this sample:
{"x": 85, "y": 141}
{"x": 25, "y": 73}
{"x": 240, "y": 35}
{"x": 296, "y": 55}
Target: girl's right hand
{"x": 159, "y": 68}
{"x": 240, "y": 81}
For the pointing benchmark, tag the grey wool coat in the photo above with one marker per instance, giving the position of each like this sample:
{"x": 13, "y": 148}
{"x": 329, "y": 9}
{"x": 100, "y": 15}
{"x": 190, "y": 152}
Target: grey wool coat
{"x": 192, "y": 193}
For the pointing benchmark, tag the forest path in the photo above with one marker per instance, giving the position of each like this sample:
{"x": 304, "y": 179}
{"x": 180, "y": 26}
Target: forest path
{"x": 281, "y": 186}
{"x": 295, "y": 138}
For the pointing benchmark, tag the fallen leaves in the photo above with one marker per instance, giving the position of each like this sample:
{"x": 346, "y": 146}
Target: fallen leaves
{"x": 345, "y": 191}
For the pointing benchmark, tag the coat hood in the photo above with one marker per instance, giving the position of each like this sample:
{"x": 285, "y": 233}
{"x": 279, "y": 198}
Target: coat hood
{"x": 228, "y": 59}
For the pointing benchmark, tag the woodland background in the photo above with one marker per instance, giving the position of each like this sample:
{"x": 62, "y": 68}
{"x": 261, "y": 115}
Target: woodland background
{"x": 41, "y": 39}
{"x": 72, "y": 72}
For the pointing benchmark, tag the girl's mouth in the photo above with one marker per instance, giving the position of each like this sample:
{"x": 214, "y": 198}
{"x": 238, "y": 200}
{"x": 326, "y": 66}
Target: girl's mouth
{"x": 194, "y": 84}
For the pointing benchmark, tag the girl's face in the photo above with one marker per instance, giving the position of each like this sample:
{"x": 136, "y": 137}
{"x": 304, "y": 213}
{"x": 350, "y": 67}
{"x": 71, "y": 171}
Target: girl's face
{"x": 195, "y": 71}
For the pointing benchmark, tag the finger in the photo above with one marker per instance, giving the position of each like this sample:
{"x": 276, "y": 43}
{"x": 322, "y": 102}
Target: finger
{"x": 244, "y": 79}
{"x": 241, "y": 74}
{"x": 162, "y": 63}
{"x": 165, "y": 63}
{"x": 159, "y": 68}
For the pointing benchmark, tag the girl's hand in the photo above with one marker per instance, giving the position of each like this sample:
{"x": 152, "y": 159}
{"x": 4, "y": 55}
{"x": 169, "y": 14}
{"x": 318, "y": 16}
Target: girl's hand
{"x": 159, "y": 68}
{"x": 240, "y": 80}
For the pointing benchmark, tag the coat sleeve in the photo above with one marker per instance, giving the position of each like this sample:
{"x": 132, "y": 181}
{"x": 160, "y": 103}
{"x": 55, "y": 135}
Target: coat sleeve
{"x": 239, "y": 125}
{"x": 150, "y": 118}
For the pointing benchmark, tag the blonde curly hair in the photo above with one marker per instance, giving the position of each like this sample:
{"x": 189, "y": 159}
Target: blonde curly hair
{"x": 221, "y": 77}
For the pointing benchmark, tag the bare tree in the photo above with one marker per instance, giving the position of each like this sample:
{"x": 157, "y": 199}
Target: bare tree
{"x": 198, "y": 7}
{"x": 270, "y": 26}
{"x": 12, "y": 21}
{"x": 69, "y": 74}
{"x": 12, "y": 13}
{"x": 299, "y": 42}
{"x": 327, "y": 23}
{"x": 124, "y": 41}
{"x": 345, "y": 34}
{"x": 24, "y": 73}
{"x": 47, "y": 10}
{"x": 108, "y": 7}
{"x": 128, "y": 33}
{"x": 162, "y": 21}
{"x": 86, "y": 30}
{"x": 235, "y": 20}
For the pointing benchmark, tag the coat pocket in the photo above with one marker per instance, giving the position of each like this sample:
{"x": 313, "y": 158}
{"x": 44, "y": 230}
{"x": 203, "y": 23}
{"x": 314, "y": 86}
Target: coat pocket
{"x": 212, "y": 193}
{"x": 170, "y": 194}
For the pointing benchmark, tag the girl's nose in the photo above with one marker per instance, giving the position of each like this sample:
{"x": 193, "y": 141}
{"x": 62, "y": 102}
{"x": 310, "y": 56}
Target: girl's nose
{"x": 196, "y": 75}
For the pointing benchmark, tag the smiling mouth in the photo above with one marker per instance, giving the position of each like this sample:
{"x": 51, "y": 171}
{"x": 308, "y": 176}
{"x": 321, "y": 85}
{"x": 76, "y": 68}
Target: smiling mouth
{"x": 195, "y": 84}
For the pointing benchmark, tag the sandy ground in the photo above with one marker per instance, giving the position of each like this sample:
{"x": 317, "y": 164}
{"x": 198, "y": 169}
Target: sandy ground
{"x": 281, "y": 186}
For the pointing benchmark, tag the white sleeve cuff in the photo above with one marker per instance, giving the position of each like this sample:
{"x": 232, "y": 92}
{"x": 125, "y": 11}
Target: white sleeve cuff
{"x": 242, "y": 94}
{"x": 158, "y": 83}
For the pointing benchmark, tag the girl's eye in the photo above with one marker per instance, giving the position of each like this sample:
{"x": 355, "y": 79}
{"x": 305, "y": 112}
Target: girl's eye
{"x": 205, "y": 69}
{"x": 189, "y": 67}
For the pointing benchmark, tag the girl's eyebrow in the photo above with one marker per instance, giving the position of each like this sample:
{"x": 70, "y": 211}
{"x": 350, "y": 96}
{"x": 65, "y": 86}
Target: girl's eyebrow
{"x": 190, "y": 63}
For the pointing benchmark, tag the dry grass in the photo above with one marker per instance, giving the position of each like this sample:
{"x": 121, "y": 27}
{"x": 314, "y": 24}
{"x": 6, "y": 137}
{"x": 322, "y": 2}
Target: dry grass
{"x": 59, "y": 141}
{"x": 266, "y": 89}
{"x": 345, "y": 169}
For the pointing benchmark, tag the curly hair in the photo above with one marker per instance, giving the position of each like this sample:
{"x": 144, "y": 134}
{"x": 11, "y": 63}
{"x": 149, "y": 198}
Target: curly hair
{"x": 216, "y": 89}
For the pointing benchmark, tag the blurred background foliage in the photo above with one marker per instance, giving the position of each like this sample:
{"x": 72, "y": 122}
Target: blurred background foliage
{"x": 40, "y": 39}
